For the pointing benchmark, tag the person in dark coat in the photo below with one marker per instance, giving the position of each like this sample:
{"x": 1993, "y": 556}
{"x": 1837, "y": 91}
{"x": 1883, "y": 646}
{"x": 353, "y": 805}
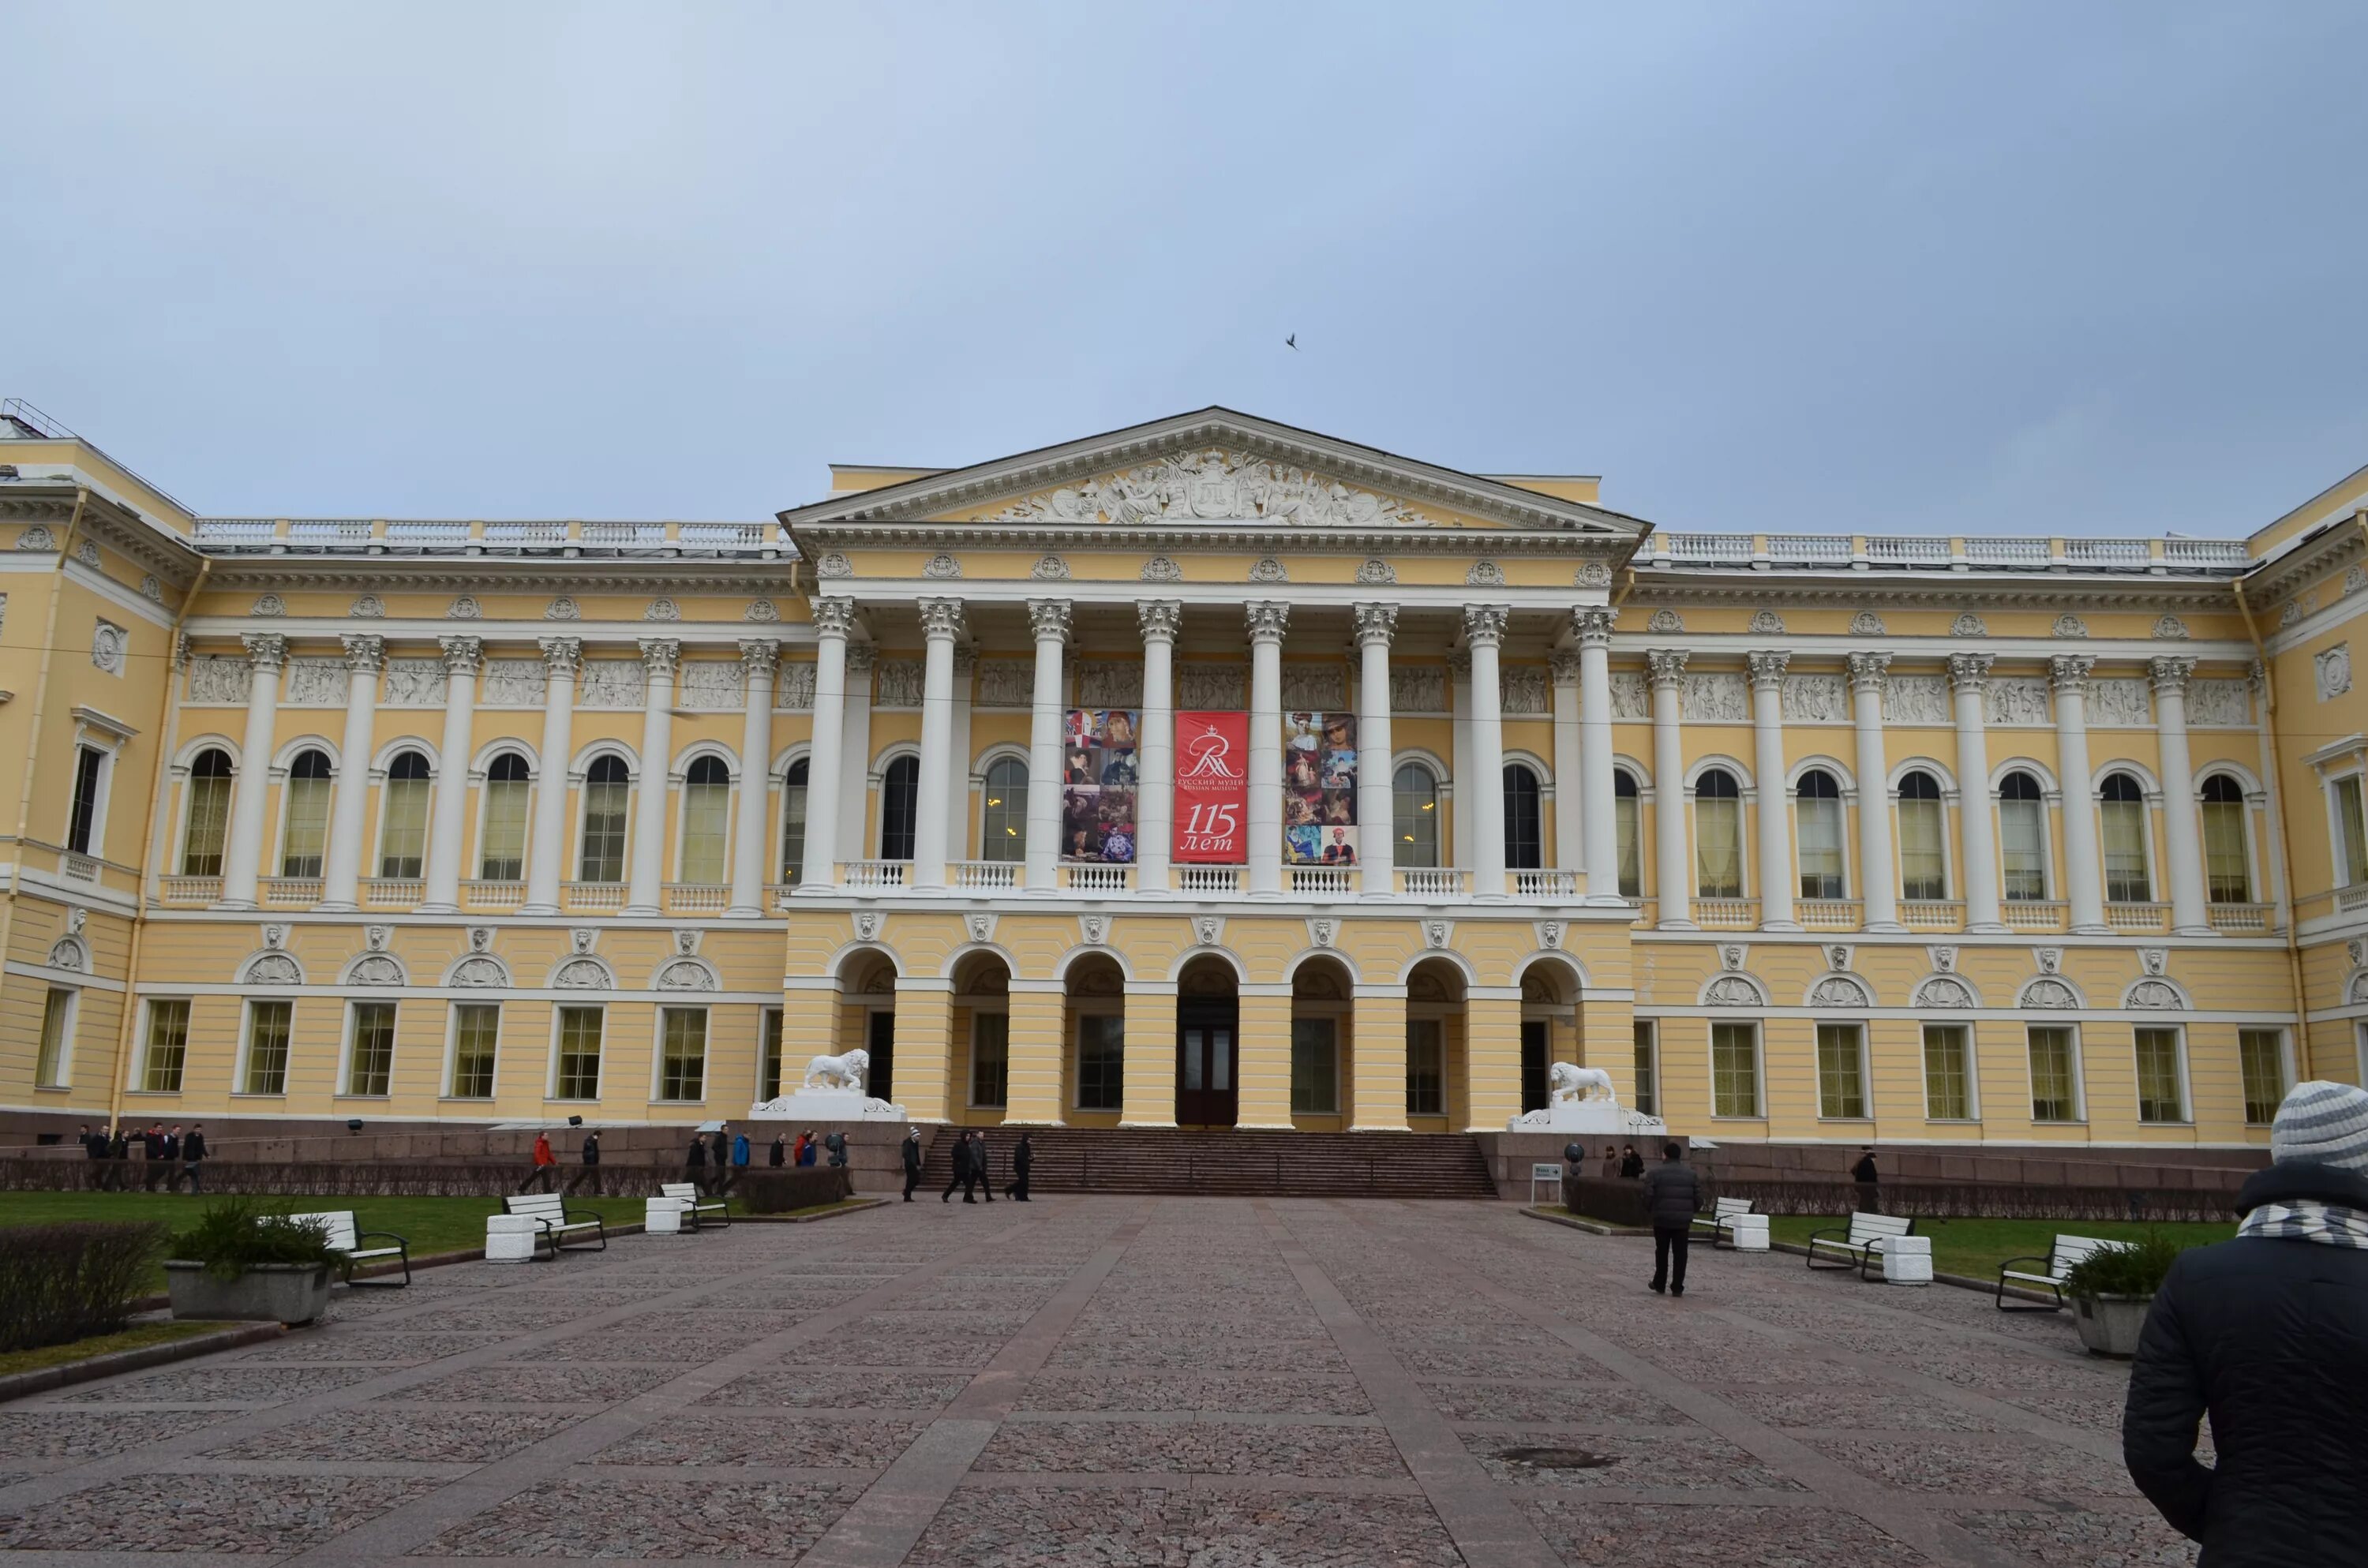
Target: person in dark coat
{"x": 1631, "y": 1164}
{"x": 912, "y": 1155}
{"x": 591, "y": 1148}
{"x": 780, "y": 1154}
{"x": 962, "y": 1177}
{"x": 1870, "y": 1191}
{"x": 1023, "y": 1154}
{"x": 1672, "y": 1196}
{"x": 696, "y": 1159}
{"x": 1611, "y": 1163}
{"x": 809, "y": 1147}
{"x": 193, "y": 1155}
{"x": 2268, "y": 1335}
{"x": 173, "y": 1144}
{"x": 982, "y": 1167}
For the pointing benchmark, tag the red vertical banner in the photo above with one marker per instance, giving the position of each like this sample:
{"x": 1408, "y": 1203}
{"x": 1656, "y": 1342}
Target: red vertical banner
{"x": 1212, "y": 752}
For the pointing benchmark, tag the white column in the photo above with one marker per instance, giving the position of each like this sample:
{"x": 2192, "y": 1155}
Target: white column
{"x": 941, "y": 627}
{"x": 2190, "y": 914}
{"x": 1484, "y": 629}
{"x": 547, "y": 851}
{"x": 645, "y": 889}
{"x": 832, "y": 620}
{"x": 1877, "y": 887}
{"x": 1377, "y": 829}
{"x": 1768, "y": 761}
{"x": 761, "y": 661}
{"x": 1267, "y": 622}
{"x": 854, "y": 781}
{"x": 1569, "y": 762}
{"x": 2084, "y": 884}
{"x": 960, "y": 813}
{"x": 1460, "y": 798}
{"x": 266, "y": 652}
{"x": 1670, "y": 868}
{"x": 1049, "y": 619}
{"x": 1976, "y": 822}
{"x": 449, "y": 811}
{"x": 350, "y": 808}
{"x": 1155, "y": 800}
{"x": 1599, "y": 807}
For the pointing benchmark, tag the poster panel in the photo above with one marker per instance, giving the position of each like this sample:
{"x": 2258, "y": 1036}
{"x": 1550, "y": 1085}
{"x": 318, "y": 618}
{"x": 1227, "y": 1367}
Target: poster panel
{"x": 1212, "y": 752}
{"x": 1097, "y": 784}
{"x": 1319, "y": 789}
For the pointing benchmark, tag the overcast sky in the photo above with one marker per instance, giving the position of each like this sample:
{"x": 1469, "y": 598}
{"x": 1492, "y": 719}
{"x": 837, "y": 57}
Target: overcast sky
{"x": 1978, "y": 268}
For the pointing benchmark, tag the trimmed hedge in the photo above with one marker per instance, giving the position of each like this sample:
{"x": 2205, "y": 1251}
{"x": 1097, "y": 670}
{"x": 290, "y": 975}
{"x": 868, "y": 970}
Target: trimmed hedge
{"x": 70, "y": 1281}
{"x": 1614, "y": 1200}
{"x": 764, "y": 1190}
{"x": 1977, "y": 1200}
{"x": 368, "y": 1178}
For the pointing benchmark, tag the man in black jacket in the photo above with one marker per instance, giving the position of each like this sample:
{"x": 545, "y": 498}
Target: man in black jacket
{"x": 982, "y": 1168}
{"x": 193, "y": 1155}
{"x": 962, "y": 1177}
{"x": 1672, "y": 1198}
{"x": 912, "y": 1151}
{"x": 1022, "y": 1156}
{"x": 2269, "y": 1335}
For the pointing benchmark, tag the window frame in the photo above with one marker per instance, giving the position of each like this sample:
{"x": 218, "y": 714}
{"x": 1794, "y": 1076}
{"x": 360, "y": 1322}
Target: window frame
{"x": 451, "y": 1076}
{"x": 60, "y": 1076}
{"x": 2243, "y": 808}
{"x": 1939, "y": 801}
{"x": 1331, "y": 1015}
{"x": 662, "y": 1057}
{"x": 145, "y": 1068}
{"x": 2178, "y": 1033}
{"x": 349, "y": 1047}
{"x": 1081, "y": 1011}
{"x": 797, "y": 775}
{"x": 682, "y": 867}
{"x": 190, "y": 780}
{"x": 2144, "y": 808}
{"x": 890, "y": 768}
{"x": 1646, "y": 1035}
{"x": 1834, "y": 802}
{"x": 486, "y": 785}
{"x": 388, "y": 786}
{"x": 288, "y": 796}
{"x": 559, "y": 1013}
{"x": 92, "y": 830}
{"x": 772, "y": 1047}
{"x": 1005, "y": 813}
{"x": 1628, "y": 832}
{"x": 2038, "y": 807}
{"x": 2075, "y": 1077}
{"x": 2282, "y": 1040}
{"x": 972, "y": 1084}
{"x": 1535, "y": 802}
{"x": 1742, "y": 866}
{"x": 1400, "y": 854}
{"x": 1860, "y": 1069}
{"x": 2349, "y": 831}
{"x": 248, "y": 1017}
{"x": 1968, "y": 1045}
{"x": 1759, "y": 1041}
{"x": 624, "y": 815}
{"x": 1438, "y": 1074}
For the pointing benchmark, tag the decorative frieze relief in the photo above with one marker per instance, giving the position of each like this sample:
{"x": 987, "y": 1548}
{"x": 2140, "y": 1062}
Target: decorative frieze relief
{"x": 794, "y": 692}
{"x": 1217, "y": 687}
{"x": 1106, "y": 683}
{"x": 1969, "y": 625}
{"x": 1417, "y": 688}
{"x": 1006, "y": 683}
{"x": 2015, "y": 699}
{"x": 898, "y": 683}
{"x": 2119, "y": 704}
{"x": 611, "y": 683}
{"x": 1664, "y": 620}
{"x": 1521, "y": 690}
{"x": 2220, "y": 704}
{"x": 1916, "y": 699}
{"x": 1866, "y": 623}
{"x": 1717, "y": 696}
{"x": 1815, "y": 700}
{"x": 315, "y": 683}
{"x": 2071, "y": 626}
{"x": 415, "y": 683}
{"x": 1213, "y": 485}
{"x": 513, "y": 683}
{"x": 106, "y": 642}
{"x": 1631, "y": 697}
{"x": 215, "y": 679}
{"x": 1315, "y": 688}
{"x": 1161, "y": 569}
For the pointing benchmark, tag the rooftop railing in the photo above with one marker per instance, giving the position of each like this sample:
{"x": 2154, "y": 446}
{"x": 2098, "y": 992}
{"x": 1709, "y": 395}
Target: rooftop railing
{"x": 413, "y": 536}
{"x": 1866, "y": 553}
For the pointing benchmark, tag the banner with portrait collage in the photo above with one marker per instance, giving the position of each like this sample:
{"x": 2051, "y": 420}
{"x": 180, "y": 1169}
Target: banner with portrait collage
{"x": 1098, "y": 785}
{"x": 1319, "y": 789}
{"x": 1212, "y": 775}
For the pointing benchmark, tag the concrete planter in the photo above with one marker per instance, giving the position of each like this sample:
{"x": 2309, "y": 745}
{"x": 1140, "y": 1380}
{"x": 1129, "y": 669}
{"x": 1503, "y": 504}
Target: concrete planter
{"x": 2109, "y": 1325}
{"x": 282, "y": 1292}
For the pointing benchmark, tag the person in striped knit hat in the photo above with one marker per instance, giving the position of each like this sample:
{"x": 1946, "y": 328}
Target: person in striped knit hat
{"x": 2268, "y": 1335}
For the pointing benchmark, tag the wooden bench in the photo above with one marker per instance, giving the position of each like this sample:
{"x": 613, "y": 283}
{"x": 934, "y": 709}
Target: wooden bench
{"x": 2066, "y": 1252}
{"x": 346, "y": 1241}
{"x": 694, "y": 1207}
{"x": 555, "y": 1221}
{"x": 1862, "y": 1248}
{"x": 1723, "y": 1215}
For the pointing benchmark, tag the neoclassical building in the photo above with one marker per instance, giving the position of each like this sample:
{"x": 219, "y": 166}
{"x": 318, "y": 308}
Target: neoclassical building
{"x": 1209, "y": 772}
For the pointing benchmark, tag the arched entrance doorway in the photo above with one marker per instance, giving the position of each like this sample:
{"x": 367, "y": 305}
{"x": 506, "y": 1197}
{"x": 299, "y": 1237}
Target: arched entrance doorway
{"x": 1549, "y": 1025}
{"x": 1095, "y": 993}
{"x": 1208, "y": 1034}
{"x": 867, "y": 985}
{"x": 1321, "y": 1068}
{"x": 982, "y": 1033}
{"x": 1438, "y": 1087}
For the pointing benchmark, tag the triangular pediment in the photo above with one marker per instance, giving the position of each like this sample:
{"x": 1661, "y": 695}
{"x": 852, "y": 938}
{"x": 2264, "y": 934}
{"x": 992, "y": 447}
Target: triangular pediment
{"x": 1215, "y": 468}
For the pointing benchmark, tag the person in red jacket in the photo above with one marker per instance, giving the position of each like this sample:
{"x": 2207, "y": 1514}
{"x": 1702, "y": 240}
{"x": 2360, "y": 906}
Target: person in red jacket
{"x": 543, "y": 1155}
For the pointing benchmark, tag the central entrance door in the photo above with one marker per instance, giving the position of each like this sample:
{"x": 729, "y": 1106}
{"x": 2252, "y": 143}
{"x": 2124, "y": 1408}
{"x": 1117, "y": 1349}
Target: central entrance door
{"x": 879, "y": 1040}
{"x": 1207, "y": 1062}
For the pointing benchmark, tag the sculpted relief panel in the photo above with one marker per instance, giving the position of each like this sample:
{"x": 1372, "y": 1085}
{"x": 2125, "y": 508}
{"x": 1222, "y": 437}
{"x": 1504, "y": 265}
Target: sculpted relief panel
{"x": 1815, "y": 700}
{"x": 2014, "y": 700}
{"x": 793, "y": 691}
{"x": 612, "y": 683}
{"x": 1417, "y": 688}
{"x": 2119, "y": 704}
{"x": 1630, "y": 698}
{"x": 1716, "y": 697}
{"x": 1006, "y": 683}
{"x": 2220, "y": 703}
{"x": 513, "y": 683}
{"x": 224, "y": 681}
{"x": 414, "y": 683}
{"x": 1214, "y": 686}
{"x": 1315, "y": 688}
{"x": 1212, "y": 484}
{"x": 1916, "y": 699}
{"x": 1522, "y": 689}
{"x": 1109, "y": 684}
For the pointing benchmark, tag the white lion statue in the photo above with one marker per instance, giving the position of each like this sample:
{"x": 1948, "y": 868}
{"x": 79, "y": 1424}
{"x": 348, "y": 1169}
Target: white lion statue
{"x": 839, "y": 1071}
{"x": 1566, "y": 1081}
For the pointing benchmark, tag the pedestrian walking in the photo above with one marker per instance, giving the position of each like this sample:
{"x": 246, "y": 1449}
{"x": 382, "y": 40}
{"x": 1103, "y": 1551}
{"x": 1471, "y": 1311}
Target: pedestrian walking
{"x": 1023, "y": 1154}
{"x": 1631, "y": 1165}
{"x": 151, "y": 1156}
{"x": 780, "y": 1154}
{"x": 544, "y": 1157}
{"x": 809, "y": 1147}
{"x": 961, "y": 1171}
{"x": 173, "y": 1146}
{"x": 2264, "y": 1334}
{"x": 696, "y": 1159}
{"x": 1870, "y": 1191}
{"x": 193, "y": 1155}
{"x": 982, "y": 1166}
{"x": 740, "y": 1151}
{"x": 835, "y": 1142}
{"x": 1672, "y": 1196}
{"x": 592, "y": 1148}
{"x": 912, "y": 1156}
{"x": 1611, "y": 1163}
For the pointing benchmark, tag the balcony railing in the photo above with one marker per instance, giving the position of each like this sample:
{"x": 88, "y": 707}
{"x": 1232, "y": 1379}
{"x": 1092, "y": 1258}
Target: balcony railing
{"x": 292, "y": 891}
{"x": 1086, "y": 876}
{"x": 1931, "y": 914}
{"x": 374, "y": 536}
{"x": 2242, "y": 919}
{"x": 2347, "y": 899}
{"x": 592, "y": 897}
{"x": 1531, "y": 883}
{"x": 1431, "y": 882}
{"x": 1726, "y": 913}
{"x": 984, "y": 876}
{"x": 1828, "y": 913}
{"x": 2033, "y": 914}
{"x": 2146, "y": 918}
{"x": 1323, "y": 881}
{"x": 697, "y": 898}
{"x": 1911, "y": 551}
{"x": 1880, "y": 553}
{"x": 77, "y": 867}
{"x": 191, "y": 890}
{"x": 392, "y": 893}
{"x": 1209, "y": 878}
{"x": 493, "y": 895}
{"x": 872, "y": 876}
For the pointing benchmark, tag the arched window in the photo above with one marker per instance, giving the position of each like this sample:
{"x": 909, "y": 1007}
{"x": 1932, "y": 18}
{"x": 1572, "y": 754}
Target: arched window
{"x": 305, "y": 838}
{"x": 1414, "y": 801}
{"x": 2122, "y": 822}
{"x": 1627, "y": 833}
{"x": 1524, "y": 827}
{"x": 900, "y": 798}
{"x": 1003, "y": 811}
{"x": 209, "y": 818}
{"x": 1817, "y": 814}
{"x": 1718, "y": 835}
{"x": 402, "y": 820}
{"x": 706, "y": 820}
{"x": 608, "y": 793}
{"x": 1923, "y": 845}
{"x": 501, "y": 843}
{"x": 2022, "y": 836}
{"x": 2227, "y": 868}
{"x": 793, "y": 823}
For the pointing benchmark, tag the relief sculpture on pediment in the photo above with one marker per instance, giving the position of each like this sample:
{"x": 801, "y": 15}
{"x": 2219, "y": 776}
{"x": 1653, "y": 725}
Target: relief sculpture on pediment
{"x": 1207, "y": 485}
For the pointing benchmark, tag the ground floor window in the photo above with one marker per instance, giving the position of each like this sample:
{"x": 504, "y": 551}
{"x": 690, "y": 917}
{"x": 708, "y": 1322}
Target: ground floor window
{"x": 57, "y": 1033}
{"x": 2261, "y": 1059}
{"x": 475, "y": 1027}
{"x": 682, "y": 1054}
{"x": 2162, "y": 1083}
{"x": 576, "y": 1074}
{"x": 1648, "y": 1071}
{"x": 990, "y": 1060}
{"x": 267, "y": 1026}
{"x": 2054, "y": 1075}
{"x": 168, "y": 1047}
{"x": 370, "y": 1049}
{"x": 1314, "y": 1066}
{"x": 1426, "y": 1069}
{"x": 1734, "y": 1069}
{"x": 1101, "y": 1062}
{"x": 1841, "y": 1072}
{"x": 1948, "y": 1073}
{"x": 769, "y": 1054}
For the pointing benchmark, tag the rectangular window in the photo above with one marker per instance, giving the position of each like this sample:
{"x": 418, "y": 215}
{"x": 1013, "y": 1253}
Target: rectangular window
{"x": 403, "y": 837}
{"x": 370, "y": 1058}
{"x": 2227, "y": 868}
{"x": 1648, "y": 1071}
{"x": 769, "y": 1054}
{"x": 990, "y": 1059}
{"x": 1314, "y": 1066}
{"x": 1734, "y": 1069}
{"x": 1948, "y": 1073}
{"x": 502, "y": 856}
{"x": 1718, "y": 834}
{"x": 605, "y": 803}
{"x": 82, "y": 822}
{"x": 1414, "y": 804}
{"x": 2162, "y": 1087}
{"x": 706, "y": 822}
{"x": 1626, "y": 837}
{"x": 1426, "y": 1069}
{"x": 476, "y": 1026}
{"x": 578, "y": 1074}
{"x": 1923, "y": 851}
{"x": 308, "y": 822}
{"x": 2023, "y": 845}
{"x": 794, "y": 824}
{"x": 2352, "y": 829}
{"x": 168, "y": 1047}
{"x": 202, "y": 848}
{"x": 57, "y": 1023}
{"x": 1821, "y": 847}
{"x": 2122, "y": 825}
{"x": 1841, "y": 1072}
{"x": 1101, "y": 1062}
{"x": 682, "y": 1054}
{"x": 2055, "y": 1075}
{"x": 268, "y": 1025}
{"x": 2262, "y": 1058}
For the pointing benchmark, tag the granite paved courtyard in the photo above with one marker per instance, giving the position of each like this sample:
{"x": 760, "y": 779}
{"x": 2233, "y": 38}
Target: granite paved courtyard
{"x": 1107, "y": 1381}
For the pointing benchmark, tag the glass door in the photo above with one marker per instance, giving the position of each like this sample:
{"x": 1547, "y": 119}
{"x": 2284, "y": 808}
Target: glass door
{"x": 1533, "y": 1064}
{"x": 879, "y": 1040}
{"x": 1206, "y": 1081}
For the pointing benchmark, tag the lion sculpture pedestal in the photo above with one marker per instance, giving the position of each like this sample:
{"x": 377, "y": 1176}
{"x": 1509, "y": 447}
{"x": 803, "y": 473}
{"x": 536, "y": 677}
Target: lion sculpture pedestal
{"x": 1580, "y": 1100}
{"x": 833, "y": 1091}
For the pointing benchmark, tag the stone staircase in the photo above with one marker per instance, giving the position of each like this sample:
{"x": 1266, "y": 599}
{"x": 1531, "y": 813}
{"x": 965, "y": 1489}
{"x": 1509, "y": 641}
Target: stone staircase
{"x": 1226, "y": 1162}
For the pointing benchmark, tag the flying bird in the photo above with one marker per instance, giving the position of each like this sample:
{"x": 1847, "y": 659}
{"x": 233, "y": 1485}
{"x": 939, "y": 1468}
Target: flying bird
{"x": 1292, "y": 343}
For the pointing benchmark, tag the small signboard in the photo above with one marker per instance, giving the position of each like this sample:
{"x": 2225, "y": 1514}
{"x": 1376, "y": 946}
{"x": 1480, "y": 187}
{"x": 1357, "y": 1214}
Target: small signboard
{"x": 1546, "y": 1172}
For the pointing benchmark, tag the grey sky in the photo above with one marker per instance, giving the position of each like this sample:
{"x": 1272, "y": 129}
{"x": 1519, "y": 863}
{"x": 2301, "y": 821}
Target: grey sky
{"x": 1981, "y": 269}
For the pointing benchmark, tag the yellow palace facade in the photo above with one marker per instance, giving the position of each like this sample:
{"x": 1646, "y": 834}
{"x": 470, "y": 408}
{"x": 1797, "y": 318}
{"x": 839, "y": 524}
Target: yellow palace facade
{"x": 1208, "y": 772}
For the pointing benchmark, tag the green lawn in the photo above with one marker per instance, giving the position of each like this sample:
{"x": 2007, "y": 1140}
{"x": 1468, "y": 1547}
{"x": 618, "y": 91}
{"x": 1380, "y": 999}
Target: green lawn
{"x": 134, "y": 1338}
{"x": 1976, "y": 1247}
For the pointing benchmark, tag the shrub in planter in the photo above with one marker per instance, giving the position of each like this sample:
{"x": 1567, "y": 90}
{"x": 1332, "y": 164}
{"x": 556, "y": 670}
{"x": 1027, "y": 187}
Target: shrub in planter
{"x": 2111, "y": 1287}
{"x": 240, "y": 1262}
{"x": 69, "y": 1281}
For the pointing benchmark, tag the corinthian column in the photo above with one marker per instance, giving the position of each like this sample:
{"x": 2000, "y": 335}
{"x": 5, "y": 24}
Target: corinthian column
{"x": 1876, "y": 885}
{"x": 760, "y": 661}
{"x": 1484, "y": 629}
{"x": 645, "y": 889}
{"x": 448, "y": 812}
{"x": 562, "y": 657}
{"x": 833, "y": 619}
{"x": 243, "y": 850}
{"x": 2190, "y": 914}
{"x": 1768, "y": 761}
{"x": 941, "y": 627}
{"x": 1669, "y": 868}
{"x": 1376, "y": 802}
{"x": 1048, "y": 618}
{"x": 1976, "y": 831}
{"x": 2084, "y": 886}
{"x": 1267, "y": 623}
{"x": 349, "y": 810}
{"x": 1155, "y": 800}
